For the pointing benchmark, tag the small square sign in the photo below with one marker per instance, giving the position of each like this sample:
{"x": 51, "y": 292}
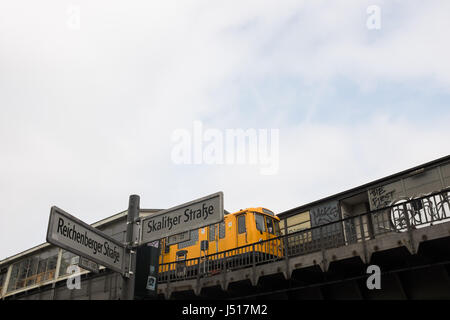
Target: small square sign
{"x": 151, "y": 283}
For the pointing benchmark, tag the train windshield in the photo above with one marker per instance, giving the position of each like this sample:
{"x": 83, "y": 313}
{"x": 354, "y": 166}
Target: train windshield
{"x": 273, "y": 226}
{"x": 259, "y": 219}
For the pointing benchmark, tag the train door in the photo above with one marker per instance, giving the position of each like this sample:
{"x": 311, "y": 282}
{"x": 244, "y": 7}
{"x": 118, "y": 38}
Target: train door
{"x": 241, "y": 233}
{"x": 273, "y": 231}
{"x": 270, "y": 227}
{"x": 260, "y": 235}
{"x": 261, "y": 230}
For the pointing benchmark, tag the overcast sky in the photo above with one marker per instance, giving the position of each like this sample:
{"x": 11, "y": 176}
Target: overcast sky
{"x": 91, "y": 93}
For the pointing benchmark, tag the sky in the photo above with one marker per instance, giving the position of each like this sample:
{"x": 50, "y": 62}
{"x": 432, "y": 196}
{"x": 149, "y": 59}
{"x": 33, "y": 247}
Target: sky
{"x": 92, "y": 92}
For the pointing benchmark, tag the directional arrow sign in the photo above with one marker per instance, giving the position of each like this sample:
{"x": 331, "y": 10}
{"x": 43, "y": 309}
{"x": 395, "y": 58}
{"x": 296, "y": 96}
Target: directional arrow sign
{"x": 189, "y": 216}
{"x": 74, "y": 235}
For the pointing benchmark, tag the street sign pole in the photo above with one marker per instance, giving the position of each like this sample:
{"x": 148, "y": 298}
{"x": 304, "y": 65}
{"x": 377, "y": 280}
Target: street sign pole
{"x": 132, "y": 237}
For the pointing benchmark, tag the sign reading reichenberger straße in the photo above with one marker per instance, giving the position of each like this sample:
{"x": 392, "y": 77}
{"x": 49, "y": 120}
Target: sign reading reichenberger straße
{"x": 189, "y": 216}
{"x": 72, "y": 234}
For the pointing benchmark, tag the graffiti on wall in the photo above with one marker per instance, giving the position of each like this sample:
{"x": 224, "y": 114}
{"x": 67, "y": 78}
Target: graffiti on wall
{"x": 380, "y": 197}
{"x": 325, "y": 214}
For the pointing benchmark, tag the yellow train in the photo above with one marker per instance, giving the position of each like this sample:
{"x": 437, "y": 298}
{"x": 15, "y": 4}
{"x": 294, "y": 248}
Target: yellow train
{"x": 234, "y": 234}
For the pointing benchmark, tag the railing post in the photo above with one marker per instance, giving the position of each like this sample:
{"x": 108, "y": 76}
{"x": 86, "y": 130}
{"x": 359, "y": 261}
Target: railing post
{"x": 253, "y": 256}
{"x": 286, "y": 255}
{"x": 253, "y": 264}
{"x": 224, "y": 263}
{"x": 363, "y": 238}
{"x": 321, "y": 238}
{"x": 406, "y": 214}
{"x": 322, "y": 247}
{"x": 168, "y": 274}
{"x": 370, "y": 227}
{"x": 199, "y": 269}
{"x": 432, "y": 207}
{"x": 224, "y": 269}
{"x": 285, "y": 245}
{"x": 361, "y": 229}
{"x": 409, "y": 228}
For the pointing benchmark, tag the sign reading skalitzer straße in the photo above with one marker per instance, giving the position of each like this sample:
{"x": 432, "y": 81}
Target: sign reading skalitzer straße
{"x": 188, "y": 216}
{"x": 74, "y": 235}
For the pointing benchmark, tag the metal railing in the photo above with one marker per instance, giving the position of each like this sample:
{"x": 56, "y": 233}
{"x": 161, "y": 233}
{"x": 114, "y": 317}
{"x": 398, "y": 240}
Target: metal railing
{"x": 401, "y": 216}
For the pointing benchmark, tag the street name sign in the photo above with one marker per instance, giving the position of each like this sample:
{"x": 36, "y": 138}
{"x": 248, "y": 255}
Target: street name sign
{"x": 188, "y": 216}
{"x": 67, "y": 232}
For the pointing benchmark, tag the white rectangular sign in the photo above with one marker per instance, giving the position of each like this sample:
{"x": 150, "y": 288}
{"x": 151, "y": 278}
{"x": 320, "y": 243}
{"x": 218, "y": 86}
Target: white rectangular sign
{"x": 72, "y": 234}
{"x": 88, "y": 265}
{"x": 188, "y": 216}
{"x": 177, "y": 238}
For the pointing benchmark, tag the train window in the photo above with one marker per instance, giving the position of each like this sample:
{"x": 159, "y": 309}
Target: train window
{"x": 221, "y": 230}
{"x": 298, "y": 222}
{"x": 259, "y": 220}
{"x": 277, "y": 228}
{"x": 193, "y": 240}
{"x": 270, "y": 227}
{"x": 241, "y": 224}
{"x": 212, "y": 232}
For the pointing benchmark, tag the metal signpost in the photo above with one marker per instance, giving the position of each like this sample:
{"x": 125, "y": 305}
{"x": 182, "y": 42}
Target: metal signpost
{"x": 74, "y": 235}
{"x": 132, "y": 237}
{"x": 147, "y": 264}
{"x": 188, "y": 216}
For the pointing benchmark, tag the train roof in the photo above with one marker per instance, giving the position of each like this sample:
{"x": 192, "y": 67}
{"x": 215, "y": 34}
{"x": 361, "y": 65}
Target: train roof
{"x": 258, "y": 209}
